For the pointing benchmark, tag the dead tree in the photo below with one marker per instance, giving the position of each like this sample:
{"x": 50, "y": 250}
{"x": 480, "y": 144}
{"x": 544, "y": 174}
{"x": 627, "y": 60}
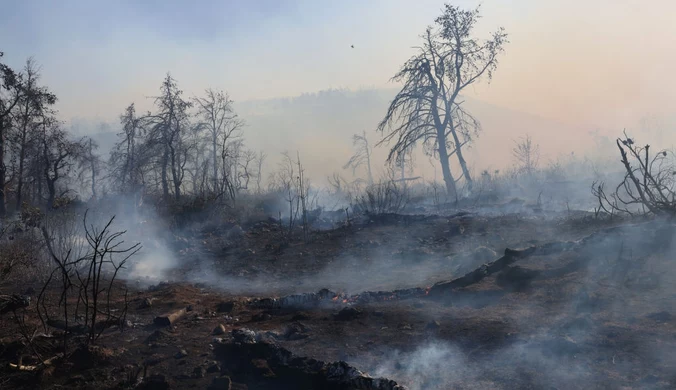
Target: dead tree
{"x": 125, "y": 157}
{"x": 87, "y": 270}
{"x": 58, "y": 156}
{"x": 361, "y": 156}
{"x": 526, "y": 154}
{"x": 260, "y": 160}
{"x": 11, "y": 93}
{"x": 222, "y": 124}
{"x": 303, "y": 189}
{"x": 648, "y": 186}
{"x": 289, "y": 180}
{"x": 428, "y": 107}
{"x": 90, "y": 165}
{"x": 32, "y": 108}
{"x": 171, "y": 124}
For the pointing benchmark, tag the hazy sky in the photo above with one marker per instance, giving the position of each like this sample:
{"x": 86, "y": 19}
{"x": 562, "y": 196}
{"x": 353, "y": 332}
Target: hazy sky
{"x": 605, "y": 62}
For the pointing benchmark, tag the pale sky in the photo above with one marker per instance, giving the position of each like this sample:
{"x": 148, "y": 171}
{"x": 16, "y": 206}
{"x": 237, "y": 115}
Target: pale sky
{"x": 591, "y": 62}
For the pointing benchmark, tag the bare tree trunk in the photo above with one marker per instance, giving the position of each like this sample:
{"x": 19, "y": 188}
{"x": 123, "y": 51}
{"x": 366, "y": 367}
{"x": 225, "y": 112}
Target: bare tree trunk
{"x": 39, "y": 195}
{"x": 93, "y": 168}
{"x": 461, "y": 159}
{"x": 19, "y": 184}
{"x": 165, "y": 183}
{"x": 131, "y": 158}
{"x": 370, "y": 172}
{"x": 214, "y": 144}
{"x": 403, "y": 168}
{"x": 445, "y": 166}
{"x": 3, "y": 169}
{"x": 51, "y": 187}
{"x": 174, "y": 173}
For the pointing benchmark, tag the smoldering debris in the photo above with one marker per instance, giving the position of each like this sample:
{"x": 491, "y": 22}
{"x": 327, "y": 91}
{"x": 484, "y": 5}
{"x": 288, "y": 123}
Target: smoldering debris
{"x": 247, "y": 351}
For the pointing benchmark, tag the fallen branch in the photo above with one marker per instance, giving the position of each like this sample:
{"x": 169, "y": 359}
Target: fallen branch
{"x": 48, "y": 362}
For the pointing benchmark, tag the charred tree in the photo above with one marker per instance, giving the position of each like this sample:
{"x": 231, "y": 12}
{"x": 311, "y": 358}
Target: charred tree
{"x": 59, "y": 155}
{"x": 11, "y": 92}
{"x": 428, "y": 107}
{"x": 125, "y": 159}
{"x": 33, "y": 106}
{"x": 222, "y": 125}
{"x": 171, "y": 121}
{"x": 361, "y": 156}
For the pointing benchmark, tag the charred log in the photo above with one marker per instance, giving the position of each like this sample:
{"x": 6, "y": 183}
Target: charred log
{"x": 328, "y": 298}
{"x": 511, "y": 255}
{"x": 169, "y": 319}
{"x": 296, "y": 300}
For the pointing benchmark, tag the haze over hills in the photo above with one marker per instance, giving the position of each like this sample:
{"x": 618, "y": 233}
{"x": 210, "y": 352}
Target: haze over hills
{"x": 320, "y": 127}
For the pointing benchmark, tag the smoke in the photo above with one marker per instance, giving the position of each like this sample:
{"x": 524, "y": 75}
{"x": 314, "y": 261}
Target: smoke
{"x": 431, "y": 365}
{"x": 438, "y": 364}
{"x": 153, "y": 263}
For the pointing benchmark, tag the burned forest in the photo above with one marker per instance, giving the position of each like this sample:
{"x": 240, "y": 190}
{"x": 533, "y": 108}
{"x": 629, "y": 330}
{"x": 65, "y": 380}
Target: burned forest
{"x": 193, "y": 233}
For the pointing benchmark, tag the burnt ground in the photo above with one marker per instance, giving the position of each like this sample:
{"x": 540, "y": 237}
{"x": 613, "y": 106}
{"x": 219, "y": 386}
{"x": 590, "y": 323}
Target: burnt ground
{"x": 599, "y": 316}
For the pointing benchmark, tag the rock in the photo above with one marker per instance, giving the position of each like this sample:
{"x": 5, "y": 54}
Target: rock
{"x": 221, "y": 383}
{"x": 181, "y": 354}
{"x": 220, "y": 329}
{"x": 347, "y": 314}
{"x": 244, "y": 336}
{"x": 225, "y": 307}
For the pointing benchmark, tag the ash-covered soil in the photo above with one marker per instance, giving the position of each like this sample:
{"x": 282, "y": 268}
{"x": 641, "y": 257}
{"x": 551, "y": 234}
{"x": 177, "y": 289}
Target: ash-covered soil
{"x": 597, "y": 312}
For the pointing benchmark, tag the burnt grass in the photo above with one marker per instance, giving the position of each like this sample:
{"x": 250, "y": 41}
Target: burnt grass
{"x": 590, "y": 319}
